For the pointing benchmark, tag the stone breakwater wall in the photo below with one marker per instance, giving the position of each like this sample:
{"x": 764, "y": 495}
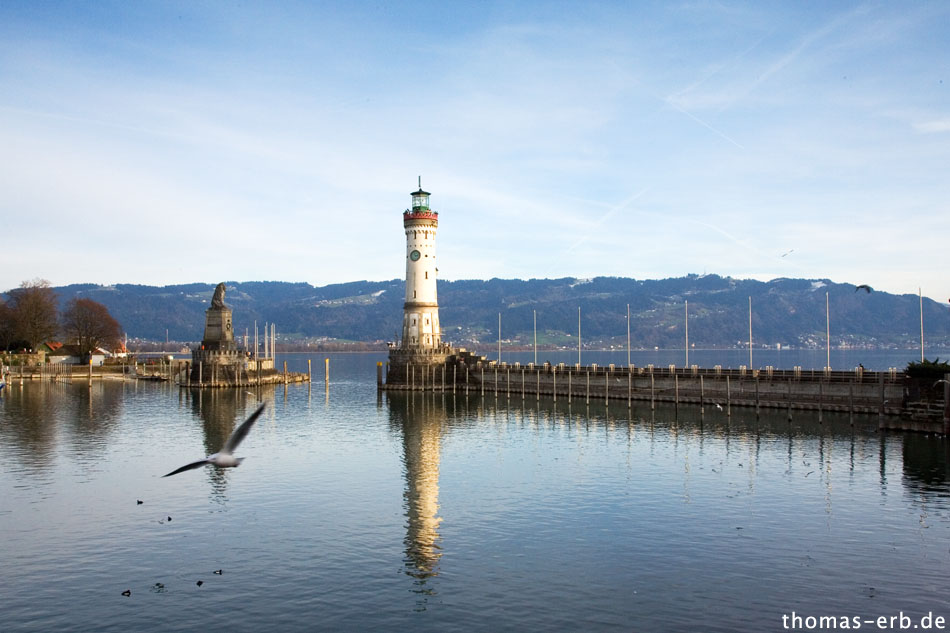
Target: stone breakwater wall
{"x": 857, "y": 391}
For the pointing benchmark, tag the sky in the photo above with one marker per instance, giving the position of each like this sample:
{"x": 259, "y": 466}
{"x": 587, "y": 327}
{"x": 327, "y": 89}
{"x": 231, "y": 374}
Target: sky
{"x": 173, "y": 142}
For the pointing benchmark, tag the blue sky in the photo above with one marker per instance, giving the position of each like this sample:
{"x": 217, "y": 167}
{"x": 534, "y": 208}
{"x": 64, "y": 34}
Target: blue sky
{"x": 163, "y": 143}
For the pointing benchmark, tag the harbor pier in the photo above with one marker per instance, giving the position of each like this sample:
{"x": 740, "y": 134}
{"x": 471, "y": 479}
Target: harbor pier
{"x": 857, "y": 391}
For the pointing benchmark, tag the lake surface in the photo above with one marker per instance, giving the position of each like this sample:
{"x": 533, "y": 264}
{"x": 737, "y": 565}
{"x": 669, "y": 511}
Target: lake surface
{"x": 363, "y": 511}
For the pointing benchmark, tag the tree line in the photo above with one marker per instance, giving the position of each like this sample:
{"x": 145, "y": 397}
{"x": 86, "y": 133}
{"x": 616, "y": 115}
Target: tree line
{"x": 30, "y": 316}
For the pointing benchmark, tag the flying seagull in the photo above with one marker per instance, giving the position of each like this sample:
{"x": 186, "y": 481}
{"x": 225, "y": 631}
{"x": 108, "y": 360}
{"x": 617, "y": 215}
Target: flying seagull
{"x": 864, "y": 287}
{"x": 225, "y": 457}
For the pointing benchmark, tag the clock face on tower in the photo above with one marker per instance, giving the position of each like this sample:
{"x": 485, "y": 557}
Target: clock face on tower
{"x": 414, "y": 256}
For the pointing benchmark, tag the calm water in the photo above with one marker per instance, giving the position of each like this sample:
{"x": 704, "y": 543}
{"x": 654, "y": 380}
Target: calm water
{"x": 434, "y": 512}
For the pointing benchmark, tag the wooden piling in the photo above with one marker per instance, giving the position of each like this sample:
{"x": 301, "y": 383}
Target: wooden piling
{"x": 629, "y": 388}
{"x": 851, "y": 402}
{"x": 702, "y": 395}
{"x": 652, "y": 392}
{"x": 728, "y": 397}
{"x": 788, "y": 399}
{"x": 946, "y": 404}
{"x": 757, "y": 395}
{"x": 880, "y": 382}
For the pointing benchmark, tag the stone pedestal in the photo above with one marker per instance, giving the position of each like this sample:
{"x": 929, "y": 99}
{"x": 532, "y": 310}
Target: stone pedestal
{"x": 219, "y": 333}
{"x": 217, "y": 362}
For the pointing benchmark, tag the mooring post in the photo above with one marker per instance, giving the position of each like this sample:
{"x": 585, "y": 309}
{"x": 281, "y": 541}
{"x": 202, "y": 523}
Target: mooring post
{"x": 851, "y": 402}
{"x": 554, "y": 382}
{"x": 522, "y": 383}
{"x": 820, "y": 398}
{"x": 326, "y": 372}
{"x": 676, "y": 390}
{"x": 629, "y": 387}
{"x": 379, "y": 372}
{"x": 652, "y": 391}
{"x": 880, "y": 382}
{"x": 508, "y": 382}
{"x": 702, "y": 395}
{"x": 483, "y": 381}
{"x": 788, "y": 399}
{"x": 537, "y": 392}
{"x": 466, "y": 379}
{"x": 587, "y": 400}
{"x": 606, "y": 388}
{"x": 757, "y": 395}
{"x": 201, "y": 371}
{"x": 570, "y": 388}
{"x": 946, "y": 404}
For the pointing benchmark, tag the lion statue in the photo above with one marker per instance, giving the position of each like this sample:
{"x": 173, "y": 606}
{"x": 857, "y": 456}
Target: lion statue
{"x": 217, "y": 301}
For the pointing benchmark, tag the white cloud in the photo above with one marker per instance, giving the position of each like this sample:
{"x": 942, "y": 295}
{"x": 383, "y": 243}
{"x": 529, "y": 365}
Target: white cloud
{"x": 933, "y": 127}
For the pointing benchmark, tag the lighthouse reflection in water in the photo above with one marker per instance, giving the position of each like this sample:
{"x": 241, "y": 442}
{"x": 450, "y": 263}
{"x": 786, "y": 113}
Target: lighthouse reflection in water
{"x": 421, "y": 422}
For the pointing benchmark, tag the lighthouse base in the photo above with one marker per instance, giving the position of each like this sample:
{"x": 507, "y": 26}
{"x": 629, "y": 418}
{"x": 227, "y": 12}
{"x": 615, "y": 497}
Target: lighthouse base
{"x": 417, "y": 368}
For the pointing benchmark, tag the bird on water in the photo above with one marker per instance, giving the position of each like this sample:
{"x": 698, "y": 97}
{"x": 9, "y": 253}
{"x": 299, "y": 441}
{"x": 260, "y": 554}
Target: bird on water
{"x": 225, "y": 457}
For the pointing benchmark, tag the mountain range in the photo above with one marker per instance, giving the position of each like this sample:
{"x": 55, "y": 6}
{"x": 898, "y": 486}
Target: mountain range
{"x": 785, "y": 311}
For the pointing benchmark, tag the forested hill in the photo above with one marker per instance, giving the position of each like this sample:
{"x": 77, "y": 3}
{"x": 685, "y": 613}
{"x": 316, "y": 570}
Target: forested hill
{"x": 787, "y": 311}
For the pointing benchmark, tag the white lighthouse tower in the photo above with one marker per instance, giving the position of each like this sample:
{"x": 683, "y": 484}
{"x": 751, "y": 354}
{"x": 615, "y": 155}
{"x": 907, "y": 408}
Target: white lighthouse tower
{"x": 416, "y": 360}
{"x": 420, "y": 325}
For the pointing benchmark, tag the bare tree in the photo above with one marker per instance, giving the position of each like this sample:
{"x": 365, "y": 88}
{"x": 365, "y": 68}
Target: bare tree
{"x": 7, "y": 329}
{"x": 33, "y": 305}
{"x": 88, "y": 325}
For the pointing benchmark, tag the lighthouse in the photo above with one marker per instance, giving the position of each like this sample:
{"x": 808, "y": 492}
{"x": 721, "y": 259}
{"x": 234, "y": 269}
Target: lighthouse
{"x": 420, "y": 325}
{"x": 420, "y": 356}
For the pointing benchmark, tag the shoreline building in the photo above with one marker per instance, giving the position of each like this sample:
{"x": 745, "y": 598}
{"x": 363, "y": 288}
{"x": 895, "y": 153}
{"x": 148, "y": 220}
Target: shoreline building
{"x": 421, "y": 345}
